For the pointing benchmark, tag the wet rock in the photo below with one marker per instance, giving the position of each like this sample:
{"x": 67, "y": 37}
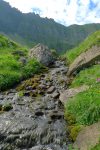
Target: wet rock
{"x": 42, "y": 86}
{"x": 51, "y": 89}
{"x": 1, "y": 97}
{"x": 62, "y": 70}
{"x": 16, "y": 97}
{"x": 39, "y": 147}
{"x": 36, "y": 121}
{"x": 56, "y": 115}
{"x": 59, "y": 63}
{"x": 7, "y": 107}
{"x": 55, "y": 94}
{"x": 39, "y": 113}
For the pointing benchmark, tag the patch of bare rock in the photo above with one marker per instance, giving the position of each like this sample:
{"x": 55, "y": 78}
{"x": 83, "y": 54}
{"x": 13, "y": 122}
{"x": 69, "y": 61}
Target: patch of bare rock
{"x": 88, "y": 137}
{"x": 85, "y": 60}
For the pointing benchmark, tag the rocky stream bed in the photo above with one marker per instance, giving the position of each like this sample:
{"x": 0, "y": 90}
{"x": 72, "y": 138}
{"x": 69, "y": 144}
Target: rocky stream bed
{"x": 36, "y": 120}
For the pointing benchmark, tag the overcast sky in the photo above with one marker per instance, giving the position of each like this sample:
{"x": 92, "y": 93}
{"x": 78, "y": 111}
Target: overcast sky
{"x": 66, "y": 12}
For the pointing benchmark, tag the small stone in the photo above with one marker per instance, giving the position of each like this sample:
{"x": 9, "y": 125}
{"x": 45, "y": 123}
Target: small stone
{"x": 39, "y": 113}
{"x": 51, "y": 89}
{"x": 29, "y": 88}
{"x": 55, "y": 95}
{"x": 27, "y": 93}
{"x": 42, "y": 86}
{"x": 56, "y": 115}
{"x": 1, "y": 97}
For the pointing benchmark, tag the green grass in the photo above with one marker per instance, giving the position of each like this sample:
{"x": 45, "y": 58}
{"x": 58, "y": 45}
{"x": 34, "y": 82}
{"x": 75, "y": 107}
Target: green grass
{"x": 12, "y": 70}
{"x": 97, "y": 147}
{"x": 88, "y": 77}
{"x": 86, "y": 104}
{"x": 93, "y": 39}
{"x": 86, "y": 108}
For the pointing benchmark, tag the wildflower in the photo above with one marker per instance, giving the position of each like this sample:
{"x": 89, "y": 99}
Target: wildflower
{"x": 98, "y": 79}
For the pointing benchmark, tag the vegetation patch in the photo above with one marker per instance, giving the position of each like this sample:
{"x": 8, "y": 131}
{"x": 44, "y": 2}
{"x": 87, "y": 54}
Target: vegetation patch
{"x": 97, "y": 147}
{"x": 6, "y": 107}
{"x": 73, "y": 131}
{"x": 31, "y": 87}
{"x": 12, "y": 71}
{"x": 93, "y": 39}
{"x": 88, "y": 76}
{"x": 86, "y": 108}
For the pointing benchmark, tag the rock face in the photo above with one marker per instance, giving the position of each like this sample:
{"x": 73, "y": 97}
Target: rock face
{"x": 88, "y": 137}
{"x": 42, "y": 54}
{"x": 84, "y": 60}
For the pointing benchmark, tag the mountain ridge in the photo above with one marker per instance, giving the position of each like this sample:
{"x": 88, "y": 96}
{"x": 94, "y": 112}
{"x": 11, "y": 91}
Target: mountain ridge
{"x": 30, "y": 29}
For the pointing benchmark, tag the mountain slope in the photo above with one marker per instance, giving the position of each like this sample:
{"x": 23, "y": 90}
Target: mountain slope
{"x": 29, "y": 29}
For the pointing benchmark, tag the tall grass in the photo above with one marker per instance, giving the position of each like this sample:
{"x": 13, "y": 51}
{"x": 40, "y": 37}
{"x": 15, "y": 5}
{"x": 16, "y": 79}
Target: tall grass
{"x": 86, "y": 108}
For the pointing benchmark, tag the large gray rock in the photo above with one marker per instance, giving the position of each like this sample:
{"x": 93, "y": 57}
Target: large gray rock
{"x": 42, "y": 54}
{"x": 88, "y": 137}
{"x": 84, "y": 60}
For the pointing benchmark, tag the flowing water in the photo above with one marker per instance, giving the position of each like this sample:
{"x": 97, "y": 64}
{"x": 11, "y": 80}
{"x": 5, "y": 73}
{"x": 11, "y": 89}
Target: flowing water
{"x": 36, "y": 123}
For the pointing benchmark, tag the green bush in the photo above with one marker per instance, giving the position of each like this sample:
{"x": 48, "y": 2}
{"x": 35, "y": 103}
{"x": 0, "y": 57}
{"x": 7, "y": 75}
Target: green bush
{"x": 9, "y": 78}
{"x": 31, "y": 68}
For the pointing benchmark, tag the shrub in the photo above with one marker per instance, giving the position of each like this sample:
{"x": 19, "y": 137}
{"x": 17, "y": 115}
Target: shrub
{"x": 8, "y": 79}
{"x": 31, "y": 68}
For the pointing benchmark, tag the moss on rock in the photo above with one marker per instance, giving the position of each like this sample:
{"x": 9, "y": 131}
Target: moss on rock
{"x": 7, "y": 107}
{"x": 31, "y": 87}
{"x": 74, "y": 130}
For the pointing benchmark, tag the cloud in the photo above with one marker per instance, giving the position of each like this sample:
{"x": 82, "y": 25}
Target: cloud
{"x": 37, "y": 10}
{"x": 66, "y": 12}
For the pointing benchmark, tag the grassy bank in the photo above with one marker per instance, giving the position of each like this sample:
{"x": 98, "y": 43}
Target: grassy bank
{"x": 84, "y": 108}
{"x": 93, "y": 39}
{"x": 12, "y": 69}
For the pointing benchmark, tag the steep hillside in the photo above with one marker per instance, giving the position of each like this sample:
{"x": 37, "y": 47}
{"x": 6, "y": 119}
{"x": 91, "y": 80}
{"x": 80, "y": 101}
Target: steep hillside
{"x": 92, "y": 40}
{"x": 86, "y": 110}
{"x": 29, "y": 29}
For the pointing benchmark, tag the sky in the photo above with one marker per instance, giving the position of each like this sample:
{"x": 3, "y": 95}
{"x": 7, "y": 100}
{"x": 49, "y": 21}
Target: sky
{"x": 66, "y": 12}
